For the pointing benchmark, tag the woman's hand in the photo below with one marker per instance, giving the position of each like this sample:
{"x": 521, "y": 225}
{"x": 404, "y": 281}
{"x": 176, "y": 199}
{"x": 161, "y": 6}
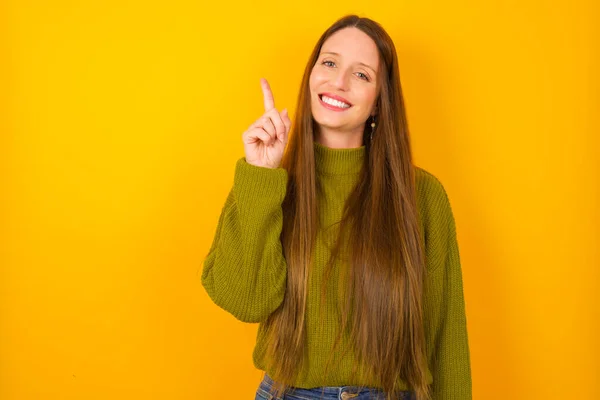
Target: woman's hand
{"x": 265, "y": 139}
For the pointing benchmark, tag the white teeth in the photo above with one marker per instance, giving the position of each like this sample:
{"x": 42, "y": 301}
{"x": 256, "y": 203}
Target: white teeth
{"x": 334, "y": 102}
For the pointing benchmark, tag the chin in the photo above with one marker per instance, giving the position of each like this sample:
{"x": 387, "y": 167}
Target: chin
{"x": 327, "y": 122}
{"x": 332, "y": 126}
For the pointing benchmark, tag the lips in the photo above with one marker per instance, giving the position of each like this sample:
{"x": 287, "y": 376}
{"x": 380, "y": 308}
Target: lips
{"x": 335, "y": 97}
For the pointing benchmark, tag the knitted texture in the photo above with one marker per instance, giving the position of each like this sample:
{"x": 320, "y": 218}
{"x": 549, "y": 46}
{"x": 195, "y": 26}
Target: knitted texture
{"x": 245, "y": 271}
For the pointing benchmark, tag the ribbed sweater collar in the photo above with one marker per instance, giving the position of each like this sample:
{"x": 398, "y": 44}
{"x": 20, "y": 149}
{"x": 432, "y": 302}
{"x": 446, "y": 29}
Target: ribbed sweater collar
{"x": 331, "y": 161}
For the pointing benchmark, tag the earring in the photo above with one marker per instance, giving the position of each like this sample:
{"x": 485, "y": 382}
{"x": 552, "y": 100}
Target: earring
{"x": 372, "y": 127}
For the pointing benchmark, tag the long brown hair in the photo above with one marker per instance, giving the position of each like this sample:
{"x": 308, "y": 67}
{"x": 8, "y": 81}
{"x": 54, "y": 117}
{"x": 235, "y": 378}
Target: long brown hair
{"x": 385, "y": 277}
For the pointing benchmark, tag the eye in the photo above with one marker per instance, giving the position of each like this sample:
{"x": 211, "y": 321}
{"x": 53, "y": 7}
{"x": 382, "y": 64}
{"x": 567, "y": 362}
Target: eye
{"x": 361, "y": 74}
{"x": 365, "y": 77}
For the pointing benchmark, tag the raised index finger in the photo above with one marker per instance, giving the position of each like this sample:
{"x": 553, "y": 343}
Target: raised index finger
{"x": 267, "y": 94}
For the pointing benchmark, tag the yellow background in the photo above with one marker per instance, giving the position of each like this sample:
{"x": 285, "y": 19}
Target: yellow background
{"x": 121, "y": 124}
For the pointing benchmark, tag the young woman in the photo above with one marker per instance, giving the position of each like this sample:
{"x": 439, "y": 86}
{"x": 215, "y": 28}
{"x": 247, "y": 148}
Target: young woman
{"x": 342, "y": 249}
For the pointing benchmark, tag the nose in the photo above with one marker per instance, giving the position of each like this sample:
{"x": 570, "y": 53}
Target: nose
{"x": 341, "y": 80}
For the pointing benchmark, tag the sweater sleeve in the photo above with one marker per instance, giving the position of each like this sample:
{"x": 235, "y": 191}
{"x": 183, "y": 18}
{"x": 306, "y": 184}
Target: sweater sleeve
{"x": 245, "y": 271}
{"x": 444, "y": 306}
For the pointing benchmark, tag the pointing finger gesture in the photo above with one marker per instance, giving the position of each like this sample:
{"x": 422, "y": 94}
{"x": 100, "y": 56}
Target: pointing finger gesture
{"x": 265, "y": 139}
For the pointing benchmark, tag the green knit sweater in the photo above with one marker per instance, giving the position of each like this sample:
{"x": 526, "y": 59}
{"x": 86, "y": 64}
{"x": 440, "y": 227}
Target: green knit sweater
{"x": 245, "y": 270}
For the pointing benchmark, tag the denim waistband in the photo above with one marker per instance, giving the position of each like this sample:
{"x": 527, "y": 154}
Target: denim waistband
{"x": 335, "y": 392}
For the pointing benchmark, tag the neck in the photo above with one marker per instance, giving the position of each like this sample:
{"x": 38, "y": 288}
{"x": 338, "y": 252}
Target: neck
{"x": 339, "y": 140}
{"x": 342, "y": 161}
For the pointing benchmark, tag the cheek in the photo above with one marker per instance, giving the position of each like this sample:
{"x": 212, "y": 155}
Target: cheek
{"x": 317, "y": 78}
{"x": 370, "y": 95}
{"x": 312, "y": 83}
{"x": 315, "y": 85}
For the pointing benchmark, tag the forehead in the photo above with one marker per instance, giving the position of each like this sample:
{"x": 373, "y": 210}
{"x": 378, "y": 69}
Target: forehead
{"x": 353, "y": 45}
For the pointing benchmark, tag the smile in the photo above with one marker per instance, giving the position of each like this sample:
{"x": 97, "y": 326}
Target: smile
{"x": 333, "y": 104}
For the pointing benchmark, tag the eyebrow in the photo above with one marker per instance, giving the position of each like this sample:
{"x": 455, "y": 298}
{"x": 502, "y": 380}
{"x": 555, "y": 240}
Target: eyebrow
{"x": 337, "y": 54}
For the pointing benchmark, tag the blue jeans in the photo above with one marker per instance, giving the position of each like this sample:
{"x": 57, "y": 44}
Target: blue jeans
{"x": 325, "y": 393}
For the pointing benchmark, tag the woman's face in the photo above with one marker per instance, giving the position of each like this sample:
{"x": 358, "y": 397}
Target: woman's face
{"x": 343, "y": 82}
